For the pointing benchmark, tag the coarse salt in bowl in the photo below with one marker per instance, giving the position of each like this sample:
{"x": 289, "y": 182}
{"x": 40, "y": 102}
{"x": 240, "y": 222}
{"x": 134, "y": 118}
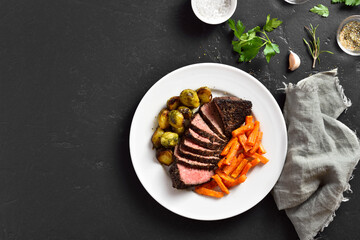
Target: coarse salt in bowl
{"x": 213, "y": 11}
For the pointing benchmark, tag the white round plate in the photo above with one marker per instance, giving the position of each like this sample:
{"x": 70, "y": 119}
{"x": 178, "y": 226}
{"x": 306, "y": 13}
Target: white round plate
{"x": 222, "y": 79}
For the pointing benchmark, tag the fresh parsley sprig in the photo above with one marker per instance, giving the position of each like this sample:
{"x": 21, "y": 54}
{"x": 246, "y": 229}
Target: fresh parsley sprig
{"x": 249, "y": 43}
{"x": 314, "y": 44}
{"x": 347, "y": 2}
{"x": 320, "y": 10}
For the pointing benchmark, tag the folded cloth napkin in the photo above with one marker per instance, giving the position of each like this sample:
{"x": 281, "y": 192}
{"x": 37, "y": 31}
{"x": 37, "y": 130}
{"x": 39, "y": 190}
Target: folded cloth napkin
{"x": 322, "y": 153}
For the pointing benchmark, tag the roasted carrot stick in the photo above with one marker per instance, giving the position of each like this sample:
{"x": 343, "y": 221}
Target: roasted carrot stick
{"x": 257, "y": 143}
{"x": 223, "y": 188}
{"x": 242, "y": 139}
{"x": 255, "y": 162}
{"x": 228, "y": 146}
{"x": 246, "y": 168}
{"x": 232, "y": 153}
{"x": 262, "y": 158}
{"x": 239, "y": 168}
{"x": 253, "y": 135}
{"x": 237, "y": 181}
{"x": 234, "y": 163}
{"x": 261, "y": 149}
{"x": 209, "y": 192}
{"x": 242, "y": 129}
{"x": 248, "y": 119}
{"x": 224, "y": 176}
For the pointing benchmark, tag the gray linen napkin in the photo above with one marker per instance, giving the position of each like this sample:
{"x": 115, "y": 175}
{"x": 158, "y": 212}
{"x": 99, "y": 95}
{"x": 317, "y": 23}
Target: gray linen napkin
{"x": 322, "y": 153}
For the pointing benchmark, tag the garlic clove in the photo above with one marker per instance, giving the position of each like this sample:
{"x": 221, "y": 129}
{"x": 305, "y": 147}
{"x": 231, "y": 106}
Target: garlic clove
{"x": 294, "y": 61}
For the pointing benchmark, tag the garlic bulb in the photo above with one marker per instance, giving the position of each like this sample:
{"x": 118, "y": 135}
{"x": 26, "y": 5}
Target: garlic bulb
{"x": 294, "y": 61}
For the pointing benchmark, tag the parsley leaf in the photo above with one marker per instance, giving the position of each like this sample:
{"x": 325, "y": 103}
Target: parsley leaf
{"x": 249, "y": 43}
{"x": 270, "y": 50}
{"x": 320, "y": 10}
{"x": 271, "y": 23}
{"x": 347, "y": 2}
{"x": 238, "y": 28}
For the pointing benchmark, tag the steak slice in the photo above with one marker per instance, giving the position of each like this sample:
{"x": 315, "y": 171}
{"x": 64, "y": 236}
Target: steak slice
{"x": 197, "y": 157}
{"x": 192, "y": 163}
{"x": 191, "y": 146}
{"x": 232, "y": 111}
{"x": 211, "y": 116}
{"x": 202, "y": 141}
{"x": 201, "y": 127}
{"x": 184, "y": 177}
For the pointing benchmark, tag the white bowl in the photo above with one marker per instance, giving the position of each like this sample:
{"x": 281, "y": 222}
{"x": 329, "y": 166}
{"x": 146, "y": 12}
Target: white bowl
{"x": 342, "y": 24}
{"x": 213, "y": 11}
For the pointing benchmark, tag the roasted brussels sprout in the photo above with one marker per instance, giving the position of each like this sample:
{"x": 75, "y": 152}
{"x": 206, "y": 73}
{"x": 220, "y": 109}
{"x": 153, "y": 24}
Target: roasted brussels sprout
{"x": 176, "y": 119}
{"x": 169, "y": 139}
{"x": 179, "y": 130}
{"x": 186, "y": 112}
{"x": 164, "y": 156}
{"x": 204, "y": 94}
{"x": 189, "y": 98}
{"x": 156, "y": 137}
{"x": 173, "y": 103}
{"x": 163, "y": 119}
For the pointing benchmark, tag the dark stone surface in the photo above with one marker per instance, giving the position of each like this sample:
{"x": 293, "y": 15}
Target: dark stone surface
{"x": 71, "y": 76}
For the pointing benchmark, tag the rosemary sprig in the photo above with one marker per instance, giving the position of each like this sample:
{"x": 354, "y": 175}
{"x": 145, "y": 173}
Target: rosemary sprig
{"x": 314, "y": 45}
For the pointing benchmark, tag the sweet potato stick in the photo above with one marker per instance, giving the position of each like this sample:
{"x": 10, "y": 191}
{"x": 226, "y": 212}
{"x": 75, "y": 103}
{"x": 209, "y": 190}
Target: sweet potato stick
{"x": 257, "y": 143}
{"x": 239, "y": 168}
{"x": 253, "y": 135}
{"x": 228, "y": 146}
{"x": 223, "y": 188}
{"x": 232, "y": 153}
{"x": 209, "y": 192}
{"x": 237, "y": 181}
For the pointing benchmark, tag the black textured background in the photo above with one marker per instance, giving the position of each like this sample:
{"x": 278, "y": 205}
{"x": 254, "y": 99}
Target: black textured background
{"x": 71, "y": 76}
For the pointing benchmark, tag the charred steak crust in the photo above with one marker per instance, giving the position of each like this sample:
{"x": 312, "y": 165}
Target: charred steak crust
{"x": 175, "y": 177}
{"x": 232, "y": 111}
{"x": 211, "y": 116}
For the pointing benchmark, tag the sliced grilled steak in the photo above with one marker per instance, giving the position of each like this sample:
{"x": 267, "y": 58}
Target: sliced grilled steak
{"x": 211, "y": 116}
{"x": 197, "y": 157}
{"x": 201, "y": 127}
{"x": 184, "y": 177}
{"x": 232, "y": 111}
{"x": 202, "y": 141}
{"x": 191, "y": 146}
{"x": 192, "y": 163}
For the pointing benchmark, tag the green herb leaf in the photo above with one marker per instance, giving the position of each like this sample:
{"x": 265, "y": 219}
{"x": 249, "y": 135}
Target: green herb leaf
{"x": 271, "y": 23}
{"x": 270, "y": 50}
{"x": 238, "y": 28}
{"x": 347, "y": 2}
{"x": 320, "y": 10}
{"x": 250, "y": 49}
{"x": 249, "y": 43}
